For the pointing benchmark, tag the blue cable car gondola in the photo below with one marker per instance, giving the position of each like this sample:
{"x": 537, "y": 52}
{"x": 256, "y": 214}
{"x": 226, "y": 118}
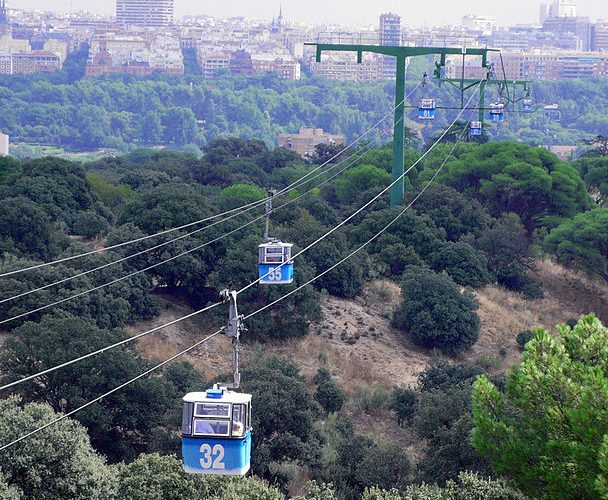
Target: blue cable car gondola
{"x": 272, "y": 255}
{"x": 497, "y": 113}
{"x": 426, "y": 109}
{"x": 475, "y": 128}
{"x": 527, "y": 104}
{"x": 216, "y": 432}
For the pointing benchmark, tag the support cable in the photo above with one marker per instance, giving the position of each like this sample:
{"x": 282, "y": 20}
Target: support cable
{"x": 359, "y": 210}
{"x": 110, "y": 392}
{"x": 140, "y": 335}
{"x": 194, "y": 346}
{"x": 248, "y": 205}
{"x": 198, "y": 247}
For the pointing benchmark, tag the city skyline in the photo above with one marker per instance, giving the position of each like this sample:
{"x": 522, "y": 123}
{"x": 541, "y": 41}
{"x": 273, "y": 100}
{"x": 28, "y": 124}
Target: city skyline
{"x": 436, "y": 12}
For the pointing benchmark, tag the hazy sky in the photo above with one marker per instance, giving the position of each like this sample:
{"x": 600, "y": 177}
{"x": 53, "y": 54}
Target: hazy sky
{"x": 418, "y": 12}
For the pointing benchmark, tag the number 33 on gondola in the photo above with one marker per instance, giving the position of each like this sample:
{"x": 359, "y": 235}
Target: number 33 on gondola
{"x": 216, "y": 432}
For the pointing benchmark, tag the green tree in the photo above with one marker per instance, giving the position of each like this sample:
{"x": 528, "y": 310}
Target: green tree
{"x": 120, "y": 425}
{"x": 179, "y": 125}
{"x": 436, "y": 312}
{"x": 156, "y": 477}
{"x": 595, "y": 174}
{"x": 27, "y": 230}
{"x": 241, "y": 194}
{"x": 360, "y": 178}
{"x": 361, "y": 462}
{"x": 55, "y": 463}
{"x": 468, "y": 486}
{"x": 403, "y": 403}
{"x": 582, "y": 242}
{"x": 546, "y": 430}
{"x": 328, "y": 394}
{"x": 89, "y": 224}
{"x": 284, "y": 429}
{"x": 465, "y": 265}
{"x": 453, "y": 211}
{"x": 510, "y": 177}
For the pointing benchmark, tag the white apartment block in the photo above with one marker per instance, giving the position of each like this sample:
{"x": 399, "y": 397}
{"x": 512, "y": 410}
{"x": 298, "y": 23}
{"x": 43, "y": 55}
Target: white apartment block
{"x": 144, "y": 12}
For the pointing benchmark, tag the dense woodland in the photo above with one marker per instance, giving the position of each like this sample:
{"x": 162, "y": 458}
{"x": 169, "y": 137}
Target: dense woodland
{"x": 493, "y": 209}
{"x": 125, "y": 112}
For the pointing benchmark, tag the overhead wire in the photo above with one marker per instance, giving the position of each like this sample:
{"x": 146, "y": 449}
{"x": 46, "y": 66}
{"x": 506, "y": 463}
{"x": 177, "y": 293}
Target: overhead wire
{"x": 184, "y": 226}
{"x": 359, "y": 210}
{"x": 156, "y": 247}
{"x": 356, "y": 158}
{"x": 288, "y": 189}
{"x": 110, "y": 392}
{"x": 199, "y": 343}
{"x": 155, "y": 329}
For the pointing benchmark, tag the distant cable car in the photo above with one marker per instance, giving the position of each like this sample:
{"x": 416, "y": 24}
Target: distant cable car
{"x": 216, "y": 432}
{"x": 275, "y": 266}
{"x": 527, "y": 104}
{"x": 426, "y": 109}
{"x": 497, "y": 112}
{"x": 552, "y": 112}
{"x": 475, "y": 128}
{"x": 271, "y": 256}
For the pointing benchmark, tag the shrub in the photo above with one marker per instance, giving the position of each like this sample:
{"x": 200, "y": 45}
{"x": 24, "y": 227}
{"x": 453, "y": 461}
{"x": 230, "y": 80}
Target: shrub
{"x": 371, "y": 399}
{"x": 403, "y": 403}
{"x": 328, "y": 394}
{"x": 523, "y": 338}
{"x": 436, "y": 312}
{"x": 466, "y": 266}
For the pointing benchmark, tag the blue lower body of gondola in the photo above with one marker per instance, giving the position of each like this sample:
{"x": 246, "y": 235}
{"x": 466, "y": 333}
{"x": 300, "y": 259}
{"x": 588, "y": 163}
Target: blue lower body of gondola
{"x": 230, "y": 457}
{"x": 272, "y": 274}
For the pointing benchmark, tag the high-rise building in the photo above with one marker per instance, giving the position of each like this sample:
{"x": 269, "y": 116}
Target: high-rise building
{"x": 4, "y": 21}
{"x": 581, "y": 27}
{"x": 544, "y": 12}
{"x": 145, "y": 12}
{"x": 390, "y": 34}
{"x": 562, "y": 8}
{"x": 600, "y": 37}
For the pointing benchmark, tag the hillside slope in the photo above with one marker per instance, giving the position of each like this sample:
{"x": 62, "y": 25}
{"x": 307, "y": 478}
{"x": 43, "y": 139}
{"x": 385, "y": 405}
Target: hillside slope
{"x": 357, "y": 343}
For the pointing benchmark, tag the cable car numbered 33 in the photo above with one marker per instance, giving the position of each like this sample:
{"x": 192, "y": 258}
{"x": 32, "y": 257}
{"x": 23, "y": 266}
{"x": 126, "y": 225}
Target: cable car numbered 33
{"x": 272, "y": 255}
{"x": 426, "y": 109}
{"x": 216, "y": 432}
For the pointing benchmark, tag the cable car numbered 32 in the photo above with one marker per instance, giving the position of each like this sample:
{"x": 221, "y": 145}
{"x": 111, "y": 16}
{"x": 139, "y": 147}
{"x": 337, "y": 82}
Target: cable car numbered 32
{"x": 216, "y": 432}
{"x": 426, "y": 109}
{"x": 275, "y": 266}
{"x": 475, "y": 128}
